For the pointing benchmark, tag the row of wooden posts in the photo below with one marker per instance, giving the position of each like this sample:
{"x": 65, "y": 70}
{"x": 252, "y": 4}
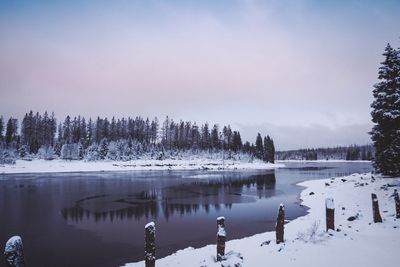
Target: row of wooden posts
{"x": 14, "y": 254}
{"x": 150, "y": 248}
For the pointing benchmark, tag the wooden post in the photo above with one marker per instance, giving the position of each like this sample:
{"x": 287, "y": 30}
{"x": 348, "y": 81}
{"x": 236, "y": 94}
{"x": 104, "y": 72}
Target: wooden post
{"x": 221, "y": 238}
{"x": 279, "y": 227}
{"x": 375, "y": 209}
{"x": 397, "y": 202}
{"x": 150, "y": 244}
{"x": 14, "y": 252}
{"x": 330, "y": 214}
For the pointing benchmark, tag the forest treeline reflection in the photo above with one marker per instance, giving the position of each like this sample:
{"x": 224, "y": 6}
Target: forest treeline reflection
{"x": 185, "y": 198}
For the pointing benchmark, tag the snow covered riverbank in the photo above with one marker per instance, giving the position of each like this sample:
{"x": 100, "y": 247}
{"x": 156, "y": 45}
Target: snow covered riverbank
{"x": 57, "y": 165}
{"x": 357, "y": 241}
{"x": 321, "y": 161}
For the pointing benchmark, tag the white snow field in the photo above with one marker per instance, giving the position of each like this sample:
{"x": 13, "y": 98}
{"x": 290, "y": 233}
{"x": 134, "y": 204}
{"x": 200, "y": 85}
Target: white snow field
{"x": 356, "y": 242}
{"x": 195, "y": 163}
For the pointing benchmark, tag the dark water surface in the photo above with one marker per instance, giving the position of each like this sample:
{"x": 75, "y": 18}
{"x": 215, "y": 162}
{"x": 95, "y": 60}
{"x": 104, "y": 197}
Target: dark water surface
{"x": 97, "y": 219}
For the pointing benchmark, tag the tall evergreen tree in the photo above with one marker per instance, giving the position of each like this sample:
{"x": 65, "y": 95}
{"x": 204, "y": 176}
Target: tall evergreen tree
{"x": 385, "y": 133}
{"x": 269, "y": 149}
{"x": 67, "y": 135}
{"x": 1, "y": 128}
{"x": 259, "y": 153}
{"x": 215, "y": 142}
{"x": 11, "y": 131}
{"x": 154, "y": 130}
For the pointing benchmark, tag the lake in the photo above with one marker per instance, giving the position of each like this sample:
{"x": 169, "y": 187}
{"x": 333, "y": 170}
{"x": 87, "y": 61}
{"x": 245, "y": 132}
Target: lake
{"x": 97, "y": 219}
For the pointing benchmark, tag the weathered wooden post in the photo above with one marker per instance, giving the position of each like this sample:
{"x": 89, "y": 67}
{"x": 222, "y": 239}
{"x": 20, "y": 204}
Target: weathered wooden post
{"x": 221, "y": 238}
{"x": 330, "y": 214}
{"x": 14, "y": 252}
{"x": 279, "y": 227}
{"x": 375, "y": 209}
{"x": 150, "y": 244}
{"x": 397, "y": 202}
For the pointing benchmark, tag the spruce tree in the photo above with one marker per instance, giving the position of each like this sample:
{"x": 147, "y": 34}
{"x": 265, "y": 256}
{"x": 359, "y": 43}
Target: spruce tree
{"x": 11, "y": 131}
{"x": 269, "y": 149}
{"x": 259, "y": 147}
{"x": 1, "y": 129}
{"x": 215, "y": 142}
{"x": 385, "y": 133}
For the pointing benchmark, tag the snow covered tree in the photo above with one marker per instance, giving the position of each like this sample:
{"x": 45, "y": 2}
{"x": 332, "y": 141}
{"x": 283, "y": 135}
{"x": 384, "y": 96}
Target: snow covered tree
{"x": 23, "y": 151}
{"x": 385, "y": 133}
{"x": 7, "y": 156}
{"x": 46, "y": 152}
{"x": 103, "y": 148}
{"x": 92, "y": 153}
{"x": 70, "y": 152}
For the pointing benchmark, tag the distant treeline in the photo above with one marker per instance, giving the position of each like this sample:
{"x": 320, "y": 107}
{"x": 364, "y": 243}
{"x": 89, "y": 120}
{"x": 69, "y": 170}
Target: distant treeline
{"x": 353, "y": 152}
{"x": 121, "y": 138}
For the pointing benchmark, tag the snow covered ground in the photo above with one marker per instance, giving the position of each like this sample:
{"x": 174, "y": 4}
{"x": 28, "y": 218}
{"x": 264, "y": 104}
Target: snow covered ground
{"x": 321, "y": 160}
{"x": 58, "y": 165}
{"x": 357, "y": 241}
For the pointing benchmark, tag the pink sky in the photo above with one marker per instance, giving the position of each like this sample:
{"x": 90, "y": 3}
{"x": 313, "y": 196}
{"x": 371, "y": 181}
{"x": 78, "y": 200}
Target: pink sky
{"x": 255, "y": 66}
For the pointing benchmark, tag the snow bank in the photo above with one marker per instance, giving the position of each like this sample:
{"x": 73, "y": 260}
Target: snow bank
{"x": 44, "y": 166}
{"x": 357, "y": 241}
{"x": 321, "y": 160}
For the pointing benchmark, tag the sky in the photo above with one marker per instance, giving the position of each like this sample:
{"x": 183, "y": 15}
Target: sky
{"x": 301, "y": 71}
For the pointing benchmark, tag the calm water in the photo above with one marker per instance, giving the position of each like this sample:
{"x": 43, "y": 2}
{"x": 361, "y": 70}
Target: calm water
{"x": 98, "y": 219}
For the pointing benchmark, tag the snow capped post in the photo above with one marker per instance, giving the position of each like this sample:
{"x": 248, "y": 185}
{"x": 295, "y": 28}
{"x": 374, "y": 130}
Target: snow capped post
{"x": 279, "y": 227}
{"x": 375, "y": 209}
{"x": 150, "y": 244}
{"x": 14, "y": 252}
{"x": 221, "y": 237}
{"x": 397, "y": 202}
{"x": 330, "y": 214}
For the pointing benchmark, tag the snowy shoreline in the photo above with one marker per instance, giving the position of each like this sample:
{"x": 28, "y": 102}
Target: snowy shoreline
{"x": 62, "y": 166}
{"x": 357, "y": 241}
{"x": 321, "y": 161}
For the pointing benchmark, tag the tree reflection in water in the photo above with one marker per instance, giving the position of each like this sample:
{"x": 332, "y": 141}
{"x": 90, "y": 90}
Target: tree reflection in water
{"x": 185, "y": 198}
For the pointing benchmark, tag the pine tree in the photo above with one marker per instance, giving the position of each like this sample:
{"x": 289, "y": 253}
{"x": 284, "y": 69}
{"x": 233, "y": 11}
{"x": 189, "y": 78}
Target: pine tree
{"x": 103, "y": 148}
{"x": 237, "y": 141}
{"x": 215, "y": 142}
{"x": 53, "y": 128}
{"x": 28, "y": 131}
{"x": 205, "y": 136}
{"x": 154, "y": 130}
{"x": 385, "y": 133}
{"x": 67, "y": 136}
{"x": 259, "y": 147}
{"x": 165, "y": 131}
{"x": 269, "y": 149}
{"x": 1, "y": 129}
{"x": 266, "y": 149}
{"x": 11, "y": 131}
{"x": 89, "y": 134}
{"x": 113, "y": 129}
{"x": 83, "y": 133}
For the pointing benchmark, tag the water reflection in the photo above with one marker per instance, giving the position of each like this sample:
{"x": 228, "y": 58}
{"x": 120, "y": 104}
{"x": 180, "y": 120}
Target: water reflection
{"x": 222, "y": 191}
